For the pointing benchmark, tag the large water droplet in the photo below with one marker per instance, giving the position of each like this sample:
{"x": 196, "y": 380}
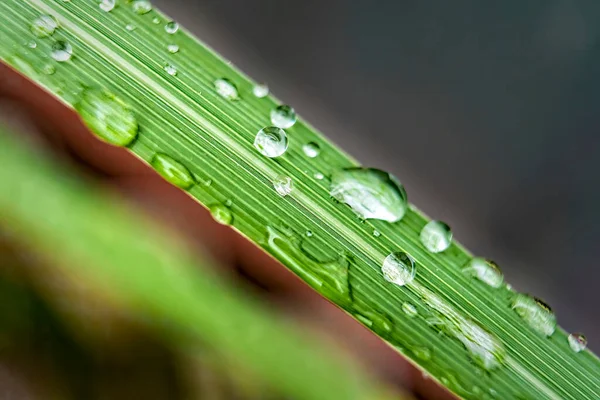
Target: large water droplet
{"x": 226, "y": 89}
{"x": 485, "y": 270}
{"x": 173, "y": 48}
{"x": 44, "y": 26}
{"x": 221, "y": 214}
{"x": 311, "y": 149}
{"x": 283, "y": 116}
{"x": 61, "y": 51}
{"x": 399, "y": 268}
{"x": 141, "y": 7}
{"x": 107, "y": 5}
{"x": 577, "y": 342}
{"x": 170, "y": 69}
{"x": 171, "y": 27}
{"x": 409, "y": 309}
{"x": 371, "y": 193}
{"x": 283, "y": 185}
{"x": 173, "y": 171}
{"x": 375, "y": 321}
{"x": 260, "y": 91}
{"x": 537, "y": 314}
{"x": 436, "y": 236}
{"x": 109, "y": 117}
{"x": 271, "y": 141}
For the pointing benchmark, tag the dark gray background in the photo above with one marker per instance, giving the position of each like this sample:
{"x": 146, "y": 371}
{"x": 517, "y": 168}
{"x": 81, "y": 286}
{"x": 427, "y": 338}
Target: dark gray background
{"x": 487, "y": 111}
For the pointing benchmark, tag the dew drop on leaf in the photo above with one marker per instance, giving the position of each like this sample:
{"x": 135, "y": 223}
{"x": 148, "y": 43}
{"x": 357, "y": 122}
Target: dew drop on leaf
{"x": 318, "y": 176}
{"x": 107, "y": 116}
{"x": 61, "y": 51}
{"x": 409, "y": 309}
{"x": 44, "y": 26}
{"x": 537, "y": 314}
{"x": 271, "y": 141}
{"x": 283, "y": 116}
{"x": 171, "y": 27}
{"x": 371, "y": 193}
{"x": 399, "y": 268}
{"x": 283, "y": 185}
{"x": 485, "y": 270}
{"x": 260, "y": 91}
{"x": 376, "y": 233}
{"x": 173, "y": 171}
{"x": 141, "y": 7}
{"x": 226, "y": 89}
{"x": 221, "y": 214}
{"x": 32, "y": 44}
{"x": 170, "y": 69}
{"x": 436, "y": 236}
{"x": 173, "y": 48}
{"x": 107, "y": 5}
{"x": 311, "y": 149}
{"x": 577, "y": 342}
{"x": 130, "y": 27}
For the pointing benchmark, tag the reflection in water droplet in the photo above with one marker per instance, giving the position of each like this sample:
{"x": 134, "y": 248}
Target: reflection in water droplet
{"x": 226, "y": 89}
{"x": 171, "y": 27}
{"x": 371, "y": 193}
{"x": 141, "y": 7}
{"x": 109, "y": 117}
{"x": 399, "y": 268}
{"x": 107, "y": 5}
{"x": 436, "y": 236}
{"x": 260, "y": 91}
{"x": 376, "y": 233}
{"x": 283, "y": 185}
{"x": 173, "y": 48}
{"x": 221, "y": 214}
{"x": 537, "y": 314}
{"x": 577, "y": 342}
{"x": 61, "y": 51}
{"x": 318, "y": 175}
{"x": 44, "y": 26}
{"x": 129, "y": 27}
{"x": 173, "y": 171}
{"x": 170, "y": 69}
{"x": 409, "y": 309}
{"x": 485, "y": 270}
{"x": 311, "y": 149}
{"x": 283, "y": 116}
{"x": 271, "y": 141}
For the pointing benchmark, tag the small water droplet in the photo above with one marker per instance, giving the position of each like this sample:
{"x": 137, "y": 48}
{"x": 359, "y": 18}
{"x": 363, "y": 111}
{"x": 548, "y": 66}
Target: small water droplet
{"x": 283, "y": 116}
{"x": 48, "y": 69}
{"x": 376, "y": 233}
{"x": 225, "y": 88}
{"x": 221, "y": 214}
{"x": 283, "y": 185}
{"x": 173, "y": 171}
{"x": 399, "y": 268}
{"x": 537, "y": 314}
{"x": 318, "y": 175}
{"x": 271, "y": 141}
{"x": 171, "y": 27}
{"x": 44, "y": 26}
{"x": 577, "y": 342}
{"x": 141, "y": 7}
{"x": 107, "y": 116}
{"x": 260, "y": 91}
{"x": 485, "y": 270}
{"x": 309, "y": 233}
{"x": 170, "y": 69}
{"x": 61, "y": 51}
{"x": 436, "y": 236}
{"x": 311, "y": 149}
{"x": 409, "y": 309}
{"x": 130, "y": 27}
{"x": 228, "y": 203}
{"x": 371, "y": 193}
{"x": 107, "y": 5}
{"x": 173, "y": 48}
{"x": 375, "y": 321}
{"x": 32, "y": 44}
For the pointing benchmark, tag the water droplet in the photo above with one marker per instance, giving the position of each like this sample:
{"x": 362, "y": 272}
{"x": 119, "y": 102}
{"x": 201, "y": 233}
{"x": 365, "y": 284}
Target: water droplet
{"x": 48, "y": 69}
{"x": 129, "y": 27}
{"x": 371, "y": 193}
{"x": 283, "y": 185}
{"x": 32, "y": 44}
{"x": 107, "y": 116}
{"x": 271, "y": 141}
{"x": 485, "y": 270}
{"x": 436, "y": 236}
{"x": 170, "y": 69}
{"x": 44, "y": 26}
{"x": 375, "y": 321}
{"x": 311, "y": 149}
{"x": 221, "y": 214}
{"x": 225, "y": 88}
{"x": 228, "y": 203}
{"x": 61, "y": 51}
{"x": 260, "y": 91}
{"x": 283, "y": 116}
{"x": 173, "y": 171}
{"x": 107, "y": 5}
{"x": 173, "y": 48}
{"x": 577, "y": 342}
{"x": 537, "y": 314}
{"x": 141, "y": 7}
{"x": 171, "y": 27}
{"x": 399, "y": 268}
{"x": 376, "y": 233}
{"x": 409, "y": 309}
{"x": 309, "y": 233}
{"x": 318, "y": 175}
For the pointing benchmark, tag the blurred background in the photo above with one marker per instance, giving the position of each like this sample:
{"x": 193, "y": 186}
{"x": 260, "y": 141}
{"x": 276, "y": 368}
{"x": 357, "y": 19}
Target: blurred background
{"x": 486, "y": 111}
